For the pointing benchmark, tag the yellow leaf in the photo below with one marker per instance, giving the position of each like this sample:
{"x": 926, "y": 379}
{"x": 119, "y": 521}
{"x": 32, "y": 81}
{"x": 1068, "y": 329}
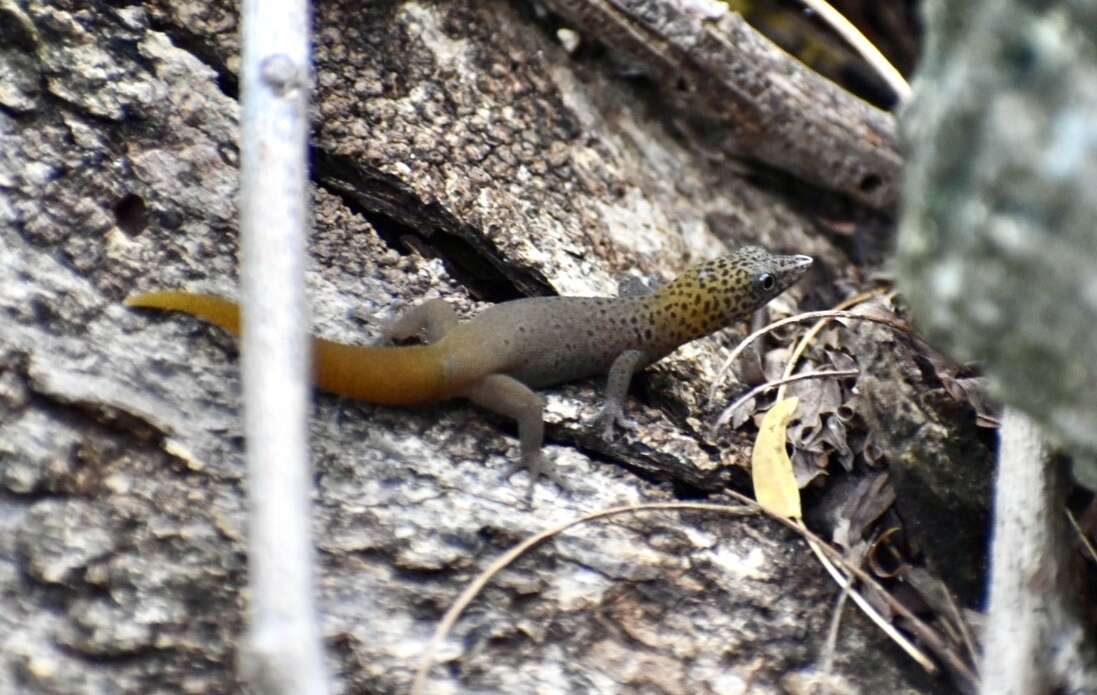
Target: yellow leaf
{"x": 774, "y": 483}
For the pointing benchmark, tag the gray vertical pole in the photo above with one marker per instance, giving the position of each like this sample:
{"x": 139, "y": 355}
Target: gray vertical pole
{"x": 282, "y": 650}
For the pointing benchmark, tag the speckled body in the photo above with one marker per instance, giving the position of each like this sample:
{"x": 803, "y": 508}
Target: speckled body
{"x": 543, "y": 341}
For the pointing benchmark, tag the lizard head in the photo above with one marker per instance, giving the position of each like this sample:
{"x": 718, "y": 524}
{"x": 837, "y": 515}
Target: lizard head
{"x": 761, "y": 274}
{"x": 713, "y": 294}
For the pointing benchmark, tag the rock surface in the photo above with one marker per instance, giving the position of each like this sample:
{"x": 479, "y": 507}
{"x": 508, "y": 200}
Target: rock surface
{"x": 459, "y": 129}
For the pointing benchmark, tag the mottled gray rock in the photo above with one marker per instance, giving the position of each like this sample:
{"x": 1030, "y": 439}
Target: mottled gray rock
{"x": 463, "y": 128}
{"x": 997, "y": 247}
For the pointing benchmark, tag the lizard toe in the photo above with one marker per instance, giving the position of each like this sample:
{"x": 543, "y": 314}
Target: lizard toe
{"x": 537, "y": 467}
{"x": 610, "y": 418}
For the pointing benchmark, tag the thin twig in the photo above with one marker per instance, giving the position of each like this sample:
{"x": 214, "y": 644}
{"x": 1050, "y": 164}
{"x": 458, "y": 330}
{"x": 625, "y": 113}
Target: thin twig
{"x": 726, "y": 415}
{"x": 831, "y": 646}
{"x": 819, "y": 325}
{"x": 862, "y": 45}
{"x": 798, "y": 318}
{"x": 477, "y": 585}
{"x": 1082, "y": 535}
{"x": 844, "y": 582}
{"x": 927, "y": 634}
{"x": 961, "y": 623}
{"x": 923, "y": 631}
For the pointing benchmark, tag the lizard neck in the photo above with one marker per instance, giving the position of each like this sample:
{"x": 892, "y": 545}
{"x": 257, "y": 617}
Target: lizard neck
{"x": 713, "y": 294}
{"x": 701, "y": 301}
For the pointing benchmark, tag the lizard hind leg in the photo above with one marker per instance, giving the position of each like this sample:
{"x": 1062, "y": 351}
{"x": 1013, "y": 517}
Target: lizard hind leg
{"x": 429, "y": 320}
{"x": 507, "y": 396}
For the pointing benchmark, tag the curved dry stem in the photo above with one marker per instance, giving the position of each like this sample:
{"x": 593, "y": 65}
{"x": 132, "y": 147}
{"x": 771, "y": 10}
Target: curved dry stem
{"x": 817, "y": 544}
{"x": 862, "y": 45}
{"x": 916, "y": 625}
{"x": 898, "y": 325}
{"x": 477, "y": 585}
{"x": 802, "y": 346}
{"x": 728, "y": 411}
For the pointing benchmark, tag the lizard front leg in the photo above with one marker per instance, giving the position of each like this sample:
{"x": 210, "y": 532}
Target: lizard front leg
{"x": 620, "y": 375}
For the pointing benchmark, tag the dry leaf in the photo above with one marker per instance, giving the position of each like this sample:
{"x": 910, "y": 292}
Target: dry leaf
{"x": 771, "y": 469}
{"x": 807, "y": 466}
{"x": 850, "y": 506}
{"x": 973, "y": 390}
{"x": 743, "y": 413}
{"x": 833, "y": 435}
{"x": 774, "y": 363}
{"x": 841, "y": 360}
{"x": 818, "y": 398}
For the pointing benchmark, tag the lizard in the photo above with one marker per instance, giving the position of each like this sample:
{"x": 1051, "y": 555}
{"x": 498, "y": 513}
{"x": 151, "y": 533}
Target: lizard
{"x": 499, "y": 356}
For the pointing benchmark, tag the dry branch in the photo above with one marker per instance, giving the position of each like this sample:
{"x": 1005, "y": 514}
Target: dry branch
{"x": 764, "y": 104}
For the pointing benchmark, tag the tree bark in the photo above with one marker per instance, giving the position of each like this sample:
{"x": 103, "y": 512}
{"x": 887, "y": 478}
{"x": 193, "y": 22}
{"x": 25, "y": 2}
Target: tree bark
{"x": 460, "y": 130}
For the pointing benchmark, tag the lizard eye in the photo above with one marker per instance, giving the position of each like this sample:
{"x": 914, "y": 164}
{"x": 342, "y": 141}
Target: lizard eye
{"x": 766, "y": 282}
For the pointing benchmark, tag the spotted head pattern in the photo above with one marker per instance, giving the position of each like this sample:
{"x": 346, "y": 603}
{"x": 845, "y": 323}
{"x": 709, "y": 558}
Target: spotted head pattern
{"x": 713, "y": 294}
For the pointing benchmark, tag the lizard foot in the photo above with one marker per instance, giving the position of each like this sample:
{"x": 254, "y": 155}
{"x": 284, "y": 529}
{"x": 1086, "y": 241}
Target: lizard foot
{"x": 611, "y": 416}
{"x": 537, "y": 467}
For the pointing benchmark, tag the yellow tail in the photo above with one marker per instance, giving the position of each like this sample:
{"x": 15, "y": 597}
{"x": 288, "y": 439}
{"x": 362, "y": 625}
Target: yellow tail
{"x": 389, "y": 375}
{"x": 220, "y": 312}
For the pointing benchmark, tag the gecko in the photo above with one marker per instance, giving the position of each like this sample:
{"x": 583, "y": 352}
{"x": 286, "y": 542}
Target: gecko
{"x": 499, "y": 356}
